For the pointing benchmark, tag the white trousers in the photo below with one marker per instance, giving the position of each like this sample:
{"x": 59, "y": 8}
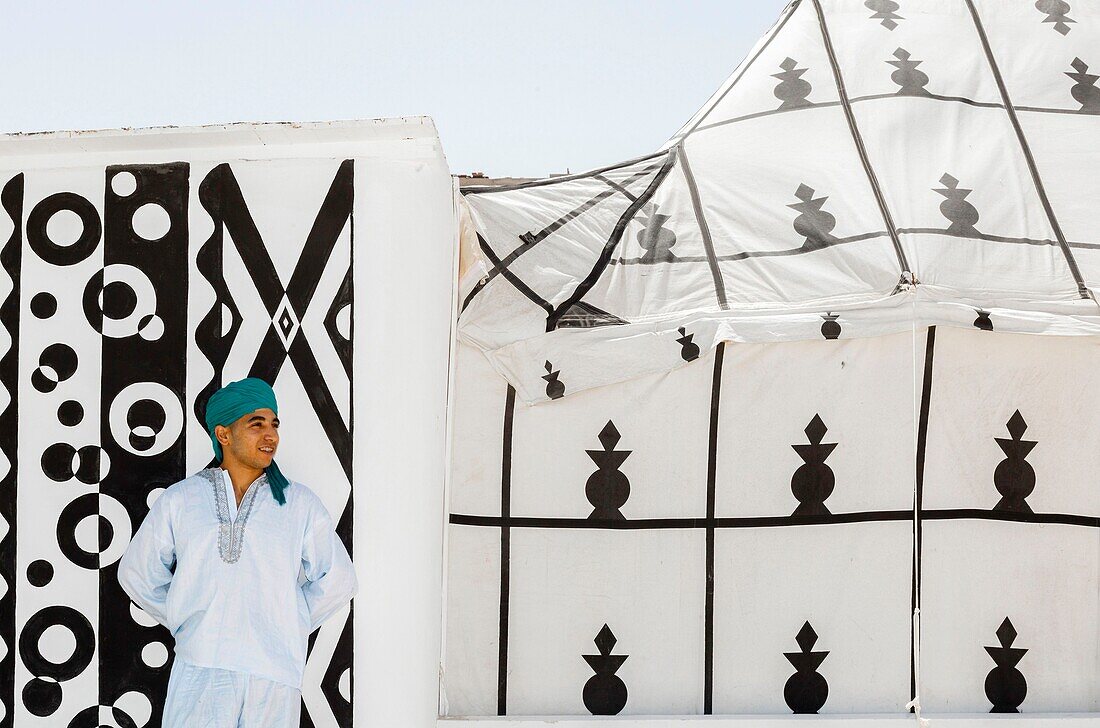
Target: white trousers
{"x": 210, "y": 697}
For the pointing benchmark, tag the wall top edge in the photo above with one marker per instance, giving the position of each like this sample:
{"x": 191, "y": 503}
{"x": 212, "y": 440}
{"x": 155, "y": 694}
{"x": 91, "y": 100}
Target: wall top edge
{"x": 236, "y": 134}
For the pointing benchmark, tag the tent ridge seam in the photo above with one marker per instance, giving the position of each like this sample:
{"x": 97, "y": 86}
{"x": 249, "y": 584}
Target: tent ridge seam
{"x": 612, "y": 242}
{"x": 530, "y": 240}
{"x": 512, "y": 277}
{"x": 704, "y": 228}
{"x": 857, "y": 139}
{"x": 1040, "y": 190}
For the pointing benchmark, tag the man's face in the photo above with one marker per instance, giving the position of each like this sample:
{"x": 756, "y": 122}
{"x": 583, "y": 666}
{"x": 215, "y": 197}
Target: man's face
{"x": 252, "y": 440}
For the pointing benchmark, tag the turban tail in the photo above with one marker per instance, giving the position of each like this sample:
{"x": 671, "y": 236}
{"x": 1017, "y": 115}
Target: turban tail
{"x": 235, "y": 400}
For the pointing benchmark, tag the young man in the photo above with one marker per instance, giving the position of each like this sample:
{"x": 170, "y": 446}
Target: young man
{"x": 240, "y": 610}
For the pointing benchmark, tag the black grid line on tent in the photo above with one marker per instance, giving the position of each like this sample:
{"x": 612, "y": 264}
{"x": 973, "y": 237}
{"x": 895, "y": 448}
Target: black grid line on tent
{"x": 531, "y": 239}
{"x": 709, "y": 523}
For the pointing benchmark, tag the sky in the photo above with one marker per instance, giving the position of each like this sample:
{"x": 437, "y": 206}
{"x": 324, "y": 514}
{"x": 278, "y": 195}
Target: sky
{"x": 519, "y": 88}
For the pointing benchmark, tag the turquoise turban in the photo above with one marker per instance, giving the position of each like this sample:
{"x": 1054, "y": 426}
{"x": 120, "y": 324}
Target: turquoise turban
{"x": 234, "y": 401}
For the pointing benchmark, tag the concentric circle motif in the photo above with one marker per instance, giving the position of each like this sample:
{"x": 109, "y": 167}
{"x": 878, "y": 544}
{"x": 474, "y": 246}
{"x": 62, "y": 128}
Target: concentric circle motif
{"x": 146, "y": 418}
{"x": 61, "y": 616}
{"x": 55, "y": 253}
{"x": 120, "y": 301}
{"x": 112, "y": 529}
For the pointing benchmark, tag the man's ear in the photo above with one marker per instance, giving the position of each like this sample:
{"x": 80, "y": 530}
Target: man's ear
{"x": 222, "y": 433}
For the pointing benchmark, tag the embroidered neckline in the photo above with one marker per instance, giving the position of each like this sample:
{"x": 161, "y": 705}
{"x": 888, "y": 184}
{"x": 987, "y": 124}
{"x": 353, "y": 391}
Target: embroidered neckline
{"x": 231, "y": 533}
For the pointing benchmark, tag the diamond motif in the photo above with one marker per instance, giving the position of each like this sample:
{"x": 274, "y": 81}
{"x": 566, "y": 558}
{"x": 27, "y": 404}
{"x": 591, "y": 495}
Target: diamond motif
{"x": 816, "y": 430}
{"x": 609, "y": 436}
{"x": 804, "y": 192}
{"x": 1016, "y": 425}
{"x": 806, "y": 637}
{"x": 1006, "y": 633}
{"x": 605, "y": 641}
{"x": 285, "y": 322}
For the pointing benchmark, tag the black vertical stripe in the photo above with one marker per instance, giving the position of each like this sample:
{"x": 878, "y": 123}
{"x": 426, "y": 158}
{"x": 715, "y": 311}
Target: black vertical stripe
{"x": 922, "y": 443}
{"x": 857, "y": 138}
{"x": 10, "y": 257}
{"x": 130, "y": 360}
{"x": 350, "y": 510}
{"x": 1082, "y": 289}
{"x": 704, "y": 228}
{"x": 712, "y": 467}
{"x": 505, "y": 548}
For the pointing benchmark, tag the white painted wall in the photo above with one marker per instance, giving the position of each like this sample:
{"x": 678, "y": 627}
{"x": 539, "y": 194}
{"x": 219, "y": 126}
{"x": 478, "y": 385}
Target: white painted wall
{"x": 404, "y": 293}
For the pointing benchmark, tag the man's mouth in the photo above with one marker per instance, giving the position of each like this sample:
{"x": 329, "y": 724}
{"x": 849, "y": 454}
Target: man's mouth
{"x": 269, "y": 450}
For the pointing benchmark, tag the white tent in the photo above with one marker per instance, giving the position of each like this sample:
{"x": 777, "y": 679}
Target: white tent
{"x": 872, "y": 164}
{"x": 804, "y": 454}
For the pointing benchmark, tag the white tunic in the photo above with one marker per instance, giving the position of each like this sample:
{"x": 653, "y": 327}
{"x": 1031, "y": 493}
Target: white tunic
{"x": 237, "y": 603}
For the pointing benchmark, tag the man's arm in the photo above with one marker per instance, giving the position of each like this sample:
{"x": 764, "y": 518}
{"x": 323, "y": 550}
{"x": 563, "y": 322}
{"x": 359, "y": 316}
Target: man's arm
{"x": 330, "y": 574}
{"x": 144, "y": 571}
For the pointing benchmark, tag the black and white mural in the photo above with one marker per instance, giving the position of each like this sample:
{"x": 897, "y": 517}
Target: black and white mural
{"x": 130, "y": 293}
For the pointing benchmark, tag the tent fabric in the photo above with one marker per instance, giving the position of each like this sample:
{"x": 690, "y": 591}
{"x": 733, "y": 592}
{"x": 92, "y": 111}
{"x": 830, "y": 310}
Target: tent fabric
{"x": 878, "y": 521}
{"x": 869, "y": 168}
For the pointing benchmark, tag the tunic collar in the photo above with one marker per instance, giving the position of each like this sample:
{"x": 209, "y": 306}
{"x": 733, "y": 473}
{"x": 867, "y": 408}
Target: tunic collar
{"x": 231, "y": 520}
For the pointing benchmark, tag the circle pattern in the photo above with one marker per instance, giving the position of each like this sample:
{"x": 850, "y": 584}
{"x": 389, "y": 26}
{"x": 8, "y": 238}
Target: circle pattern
{"x": 40, "y": 572}
{"x": 72, "y": 515}
{"x": 119, "y": 301}
{"x": 140, "y": 616}
{"x": 86, "y": 242}
{"x": 70, "y": 413}
{"x": 115, "y": 516}
{"x": 124, "y": 183}
{"x": 43, "y": 305}
{"x": 76, "y": 623}
{"x": 146, "y": 418}
{"x": 56, "y": 644}
{"x": 93, "y": 533}
{"x": 151, "y": 327}
{"x": 151, "y": 222}
{"x": 42, "y": 697}
{"x": 154, "y": 654}
{"x": 94, "y": 717}
{"x": 108, "y": 522}
{"x": 137, "y": 706}
{"x": 56, "y": 363}
{"x": 61, "y": 462}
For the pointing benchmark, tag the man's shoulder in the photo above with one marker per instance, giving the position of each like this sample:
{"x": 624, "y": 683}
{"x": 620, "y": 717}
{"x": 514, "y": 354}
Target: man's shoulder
{"x": 180, "y": 488}
{"x": 301, "y": 491}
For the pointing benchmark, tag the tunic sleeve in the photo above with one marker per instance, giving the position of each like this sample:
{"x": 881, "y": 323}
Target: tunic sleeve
{"x": 145, "y": 569}
{"x": 328, "y": 569}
